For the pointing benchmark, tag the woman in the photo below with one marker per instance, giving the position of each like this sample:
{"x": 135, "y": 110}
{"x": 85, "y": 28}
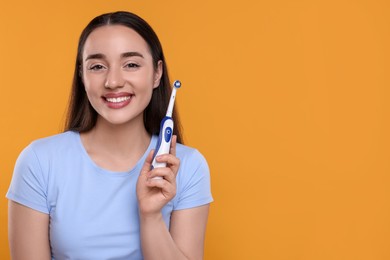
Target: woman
{"x": 90, "y": 192}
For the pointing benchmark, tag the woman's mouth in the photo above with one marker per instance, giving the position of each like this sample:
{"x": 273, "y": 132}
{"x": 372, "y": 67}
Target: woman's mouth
{"x": 117, "y": 100}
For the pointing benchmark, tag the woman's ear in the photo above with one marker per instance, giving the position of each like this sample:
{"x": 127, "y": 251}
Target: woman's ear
{"x": 157, "y": 74}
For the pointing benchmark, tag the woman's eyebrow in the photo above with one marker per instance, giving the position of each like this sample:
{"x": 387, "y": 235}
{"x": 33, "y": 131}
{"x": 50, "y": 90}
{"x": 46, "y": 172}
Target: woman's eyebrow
{"x": 123, "y": 55}
{"x": 95, "y": 56}
{"x": 131, "y": 54}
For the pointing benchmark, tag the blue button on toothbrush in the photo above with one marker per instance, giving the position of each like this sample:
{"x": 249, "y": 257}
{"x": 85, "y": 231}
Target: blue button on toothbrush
{"x": 166, "y": 130}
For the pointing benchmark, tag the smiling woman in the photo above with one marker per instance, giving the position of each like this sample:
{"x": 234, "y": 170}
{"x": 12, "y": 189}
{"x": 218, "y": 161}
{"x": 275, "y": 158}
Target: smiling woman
{"x": 119, "y": 59}
{"x": 90, "y": 192}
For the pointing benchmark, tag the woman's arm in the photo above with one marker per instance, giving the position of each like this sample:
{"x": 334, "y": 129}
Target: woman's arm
{"x": 28, "y": 233}
{"x": 188, "y": 229}
{"x": 185, "y": 240}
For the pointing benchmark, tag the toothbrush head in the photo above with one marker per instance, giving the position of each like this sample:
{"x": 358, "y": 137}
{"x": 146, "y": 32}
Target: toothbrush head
{"x": 177, "y": 84}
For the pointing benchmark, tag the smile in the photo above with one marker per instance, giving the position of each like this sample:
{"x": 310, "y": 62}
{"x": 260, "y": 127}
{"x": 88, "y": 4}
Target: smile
{"x": 118, "y": 99}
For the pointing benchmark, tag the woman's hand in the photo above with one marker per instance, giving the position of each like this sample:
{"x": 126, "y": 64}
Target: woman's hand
{"x": 154, "y": 194}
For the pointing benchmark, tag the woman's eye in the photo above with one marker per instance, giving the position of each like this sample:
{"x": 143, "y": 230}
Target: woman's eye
{"x": 96, "y": 67}
{"x": 132, "y": 65}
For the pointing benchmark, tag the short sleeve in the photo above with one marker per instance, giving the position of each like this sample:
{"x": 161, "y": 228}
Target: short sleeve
{"x": 194, "y": 182}
{"x": 28, "y": 186}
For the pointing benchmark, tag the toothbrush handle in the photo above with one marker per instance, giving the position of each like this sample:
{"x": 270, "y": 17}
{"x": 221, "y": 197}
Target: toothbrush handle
{"x": 164, "y": 141}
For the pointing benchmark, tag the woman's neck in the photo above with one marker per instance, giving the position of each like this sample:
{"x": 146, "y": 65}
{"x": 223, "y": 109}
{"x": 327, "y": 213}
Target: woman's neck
{"x": 116, "y": 147}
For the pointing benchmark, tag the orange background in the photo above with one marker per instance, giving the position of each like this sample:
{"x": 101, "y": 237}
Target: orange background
{"x": 288, "y": 100}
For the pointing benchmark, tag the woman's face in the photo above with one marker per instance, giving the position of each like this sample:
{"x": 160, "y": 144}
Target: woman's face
{"x": 118, "y": 74}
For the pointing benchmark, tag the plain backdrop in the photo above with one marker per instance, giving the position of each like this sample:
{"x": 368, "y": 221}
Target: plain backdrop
{"x": 287, "y": 99}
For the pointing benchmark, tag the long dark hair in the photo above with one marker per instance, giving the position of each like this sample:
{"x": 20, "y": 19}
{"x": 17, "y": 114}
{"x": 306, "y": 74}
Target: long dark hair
{"x": 82, "y": 117}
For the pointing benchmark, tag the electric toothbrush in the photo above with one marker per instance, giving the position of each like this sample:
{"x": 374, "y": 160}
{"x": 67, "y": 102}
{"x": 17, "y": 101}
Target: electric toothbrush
{"x": 166, "y": 131}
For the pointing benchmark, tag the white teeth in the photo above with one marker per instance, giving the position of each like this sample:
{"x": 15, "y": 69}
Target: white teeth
{"x": 118, "y": 99}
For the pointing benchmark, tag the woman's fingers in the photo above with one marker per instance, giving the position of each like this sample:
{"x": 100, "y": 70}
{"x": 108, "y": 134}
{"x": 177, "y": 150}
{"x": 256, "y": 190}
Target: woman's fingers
{"x": 172, "y": 165}
{"x": 166, "y": 187}
{"x": 163, "y": 172}
{"x": 173, "y": 145}
{"x": 148, "y": 163}
{"x": 169, "y": 159}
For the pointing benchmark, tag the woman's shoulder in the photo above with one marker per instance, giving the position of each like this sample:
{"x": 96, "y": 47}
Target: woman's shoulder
{"x": 193, "y": 179}
{"x": 188, "y": 154}
{"x": 55, "y": 139}
{"x": 39, "y": 155}
{"x": 53, "y": 143}
{"x": 185, "y": 150}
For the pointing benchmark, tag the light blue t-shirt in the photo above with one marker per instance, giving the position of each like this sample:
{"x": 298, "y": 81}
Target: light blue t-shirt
{"x": 94, "y": 212}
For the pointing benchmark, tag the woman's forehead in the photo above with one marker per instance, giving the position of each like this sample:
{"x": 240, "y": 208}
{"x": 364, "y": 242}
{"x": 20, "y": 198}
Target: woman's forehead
{"x": 115, "y": 39}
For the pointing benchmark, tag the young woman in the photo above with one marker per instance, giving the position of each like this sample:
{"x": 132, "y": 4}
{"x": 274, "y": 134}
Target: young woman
{"x": 89, "y": 193}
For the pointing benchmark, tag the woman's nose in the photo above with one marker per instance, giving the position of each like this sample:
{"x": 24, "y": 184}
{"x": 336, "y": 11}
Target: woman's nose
{"x": 114, "y": 79}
